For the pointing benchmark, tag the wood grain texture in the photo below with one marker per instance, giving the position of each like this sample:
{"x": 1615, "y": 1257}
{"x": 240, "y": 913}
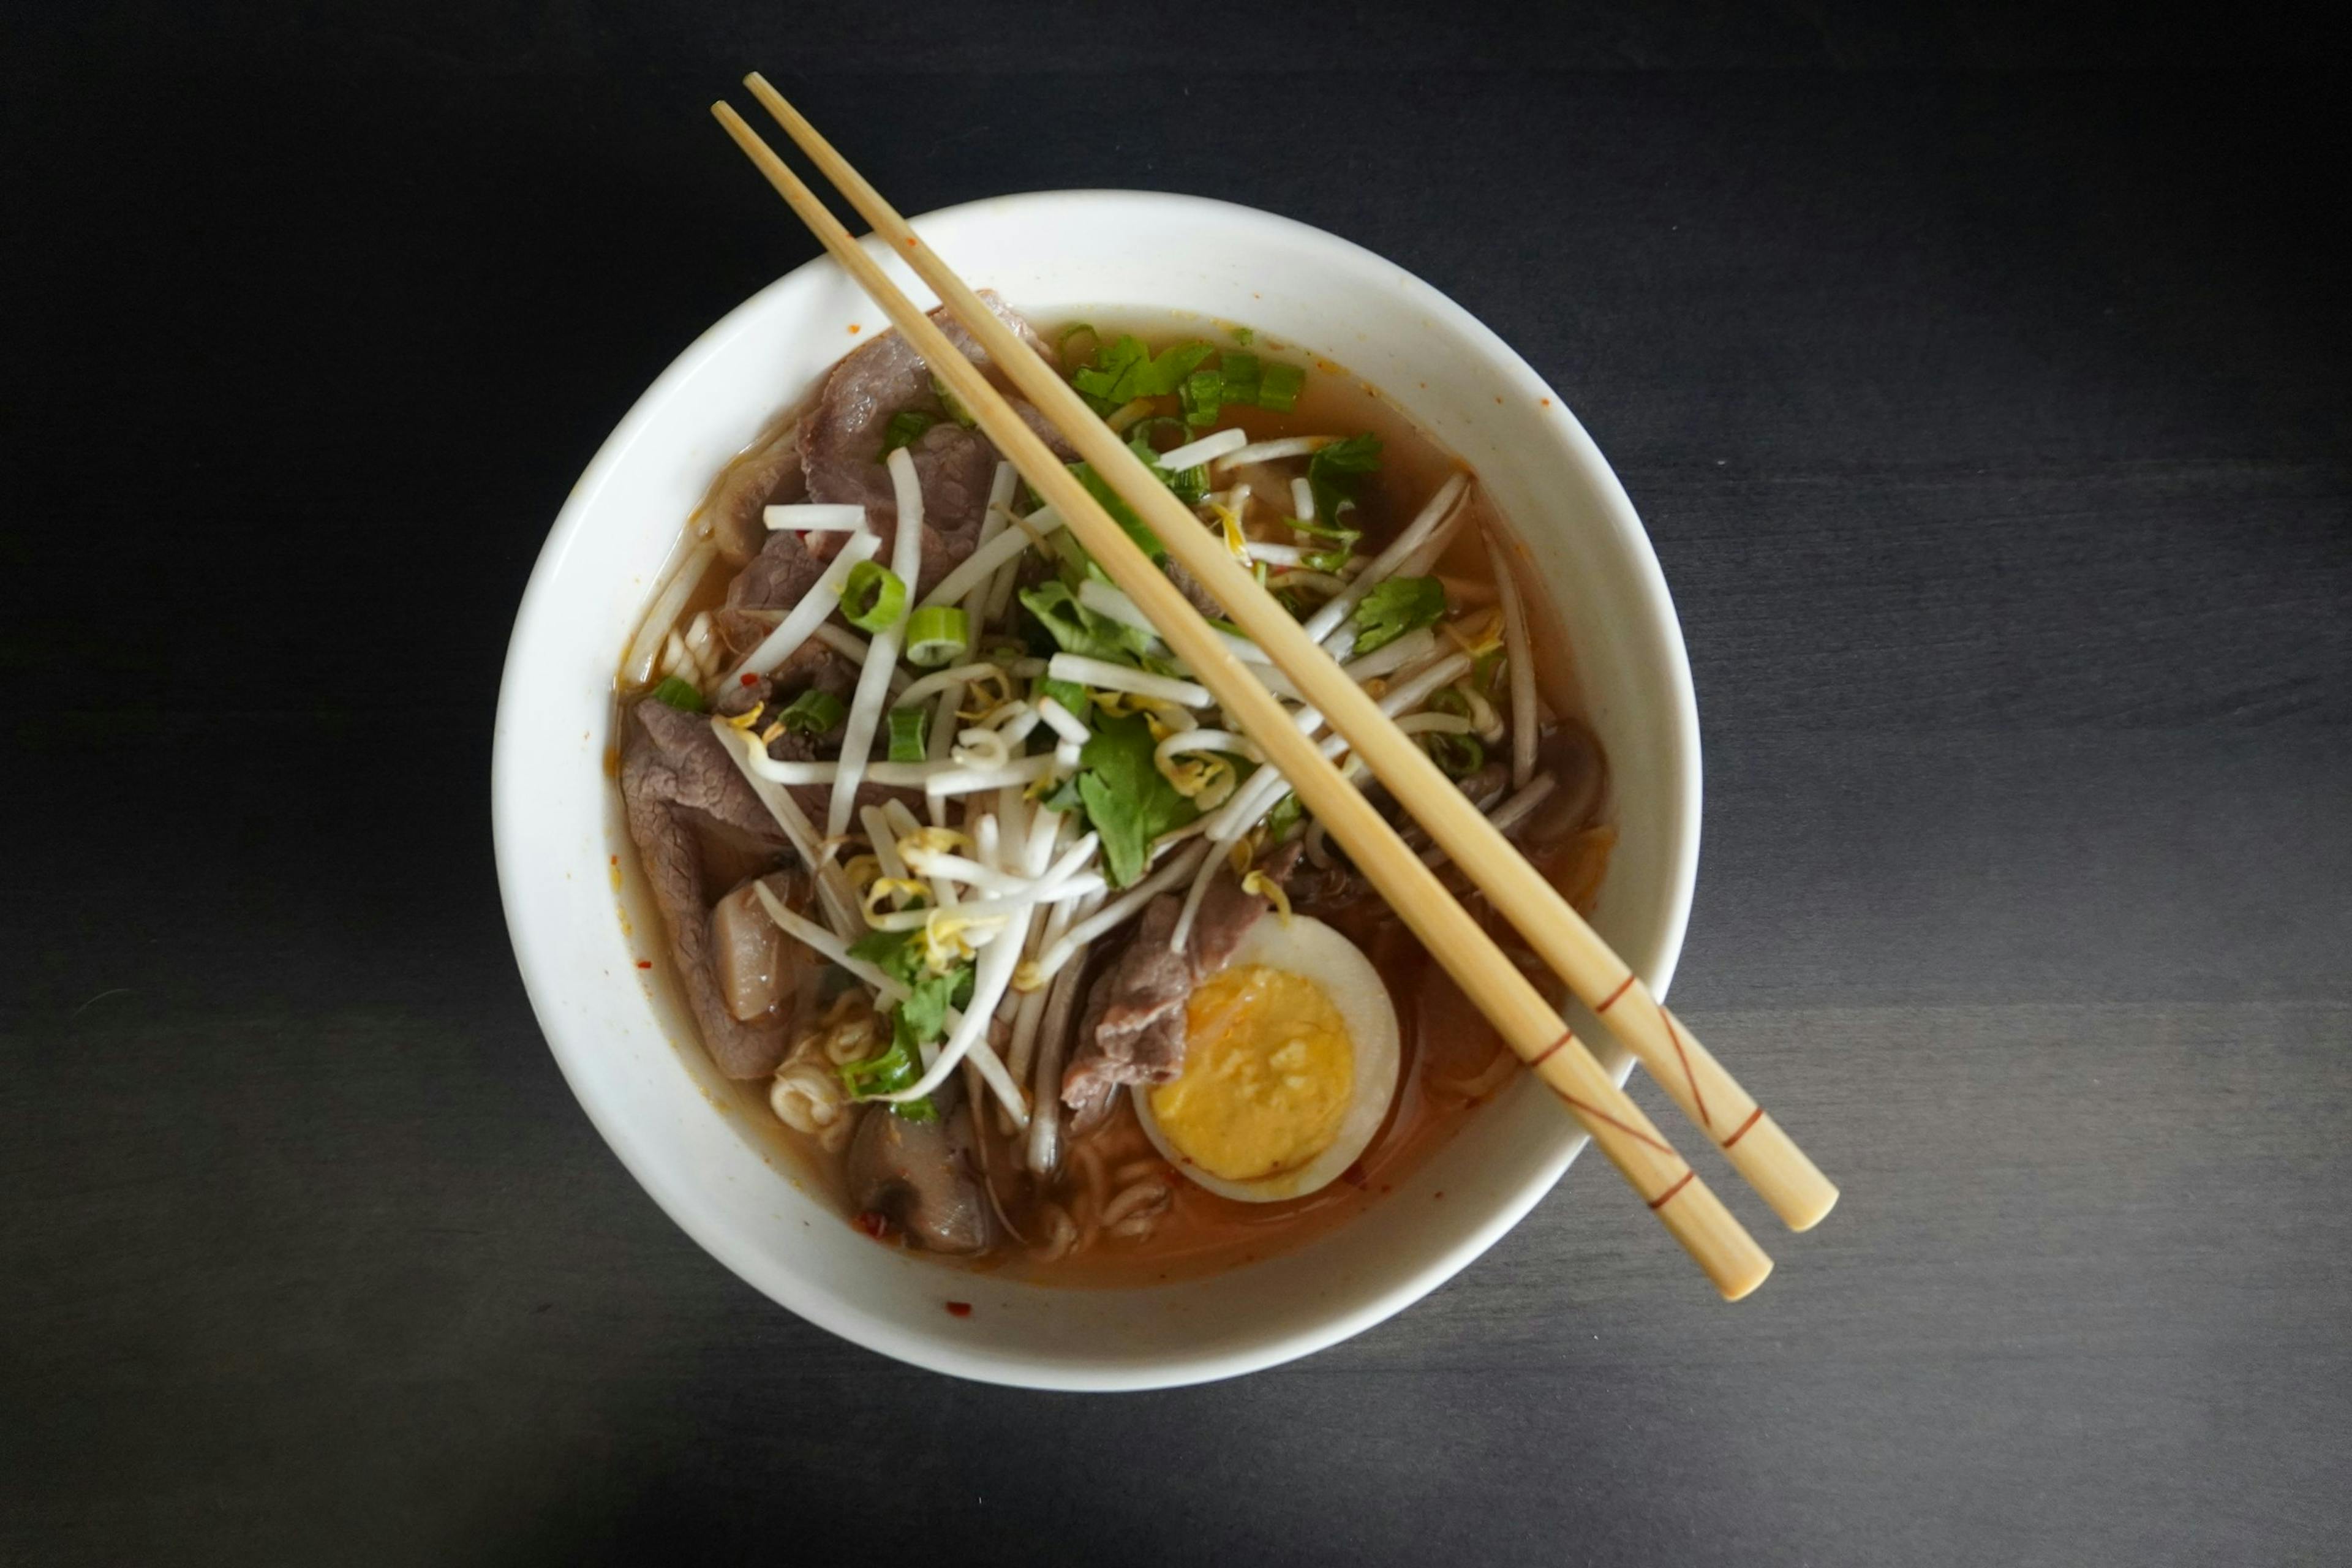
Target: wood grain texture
{"x": 1993, "y": 433}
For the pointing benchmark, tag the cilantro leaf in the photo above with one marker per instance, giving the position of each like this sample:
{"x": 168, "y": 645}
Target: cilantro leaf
{"x": 896, "y": 954}
{"x": 924, "y": 1013}
{"x": 1076, "y": 629}
{"x": 1336, "y": 471}
{"x": 1125, "y": 369}
{"x": 1120, "y": 512}
{"x": 1395, "y": 607}
{"x": 897, "y": 1066}
{"x": 1126, "y": 798}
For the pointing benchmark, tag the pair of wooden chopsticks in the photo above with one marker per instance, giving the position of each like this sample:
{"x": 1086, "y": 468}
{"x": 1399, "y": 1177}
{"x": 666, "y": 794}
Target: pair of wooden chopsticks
{"x": 1754, "y": 1143}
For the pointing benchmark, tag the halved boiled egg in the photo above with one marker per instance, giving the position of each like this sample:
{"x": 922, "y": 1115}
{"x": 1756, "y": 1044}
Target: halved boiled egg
{"x": 1290, "y": 1062}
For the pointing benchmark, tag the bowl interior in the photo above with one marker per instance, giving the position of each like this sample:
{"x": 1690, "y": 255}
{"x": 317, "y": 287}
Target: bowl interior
{"x": 632, "y": 1060}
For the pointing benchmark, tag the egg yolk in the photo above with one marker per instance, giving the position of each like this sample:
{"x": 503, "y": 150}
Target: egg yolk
{"x": 1269, "y": 1069}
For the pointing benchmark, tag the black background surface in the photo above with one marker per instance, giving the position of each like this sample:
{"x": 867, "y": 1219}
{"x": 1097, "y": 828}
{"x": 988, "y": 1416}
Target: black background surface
{"x": 1986, "y": 395}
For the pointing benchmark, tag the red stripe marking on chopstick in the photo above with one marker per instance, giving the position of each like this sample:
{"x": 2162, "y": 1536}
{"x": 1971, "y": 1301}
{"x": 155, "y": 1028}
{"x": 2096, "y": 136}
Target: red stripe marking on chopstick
{"x": 1626, "y": 1128}
{"x": 1545, "y": 1055}
{"x": 1664, "y": 1198}
{"x": 1688, "y": 1076}
{"x": 1614, "y": 995}
{"x": 1753, "y": 1117}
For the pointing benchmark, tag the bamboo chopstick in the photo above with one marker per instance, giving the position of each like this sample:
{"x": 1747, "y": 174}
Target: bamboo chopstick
{"x": 1682, "y": 1202}
{"x": 1751, "y": 1140}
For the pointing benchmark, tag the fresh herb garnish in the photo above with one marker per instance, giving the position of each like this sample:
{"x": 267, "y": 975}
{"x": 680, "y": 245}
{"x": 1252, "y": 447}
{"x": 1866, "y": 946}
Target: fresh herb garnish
{"x": 922, "y": 1018}
{"x": 1128, "y": 799}
{"x": 1076, "y": 629}
{"x": 908, "y": 740}
{"x": 1120, "y": 512}
{"x": 1286, "y": 815}
{"x": 812, "y": 712}
{"x": 873, "y": 597}
{"x": 1202, "y": 393}
{"x": 1069, "y": 693}
{"x": 906, "y": 428}
{"x": 1189, "y": 484}
{"x": 1456, "y": 756}
{"x": 952, "y": 403}
{"x": 1279, "y": 387}
{"x": 1125, "y": 369}
{"x": 898, "y": 1066}
{"x": 1395, "y": 607}
{"x": 896, "y": 954}
{"x": 937, "y": 635}
{"x": 681, "y": 694}
{"x": 1335, "y": 472}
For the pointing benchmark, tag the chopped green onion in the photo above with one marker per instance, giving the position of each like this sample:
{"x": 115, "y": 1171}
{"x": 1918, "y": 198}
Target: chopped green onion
{"x": 1285, "y": 817}
{"x": 937, "y": 635}
{"x": 906, "y": 428}
{"x": 674, "y": 692}
{"x": 1279, "y": 386}
{"x": 873, "y": 598}
{"x": 1244, "y": 336}
{"x": 907, "y": 741}
{"x": 1062, "y": 343}
{"x": 1189, "y": 484}
{"x": 1240, "y": 373}
{"x": 1485, "y": 667}
{"x": 1202, "y": 393}
{"x": 812, "y": 712}
{"x": 952, "y": 403}
{"x": 1451, "y": 699}
{"x": 1456, "y": 756}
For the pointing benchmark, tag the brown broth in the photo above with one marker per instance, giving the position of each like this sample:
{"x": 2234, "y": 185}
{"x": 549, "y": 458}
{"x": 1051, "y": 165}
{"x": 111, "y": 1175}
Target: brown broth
{"x": 1452, "y": 1060}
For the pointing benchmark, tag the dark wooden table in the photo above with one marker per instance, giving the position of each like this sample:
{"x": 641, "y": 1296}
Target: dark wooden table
{"x": 1995, "y": 431}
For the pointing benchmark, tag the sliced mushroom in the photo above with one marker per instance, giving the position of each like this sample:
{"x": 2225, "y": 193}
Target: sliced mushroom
{"x": 921, "y": 1177}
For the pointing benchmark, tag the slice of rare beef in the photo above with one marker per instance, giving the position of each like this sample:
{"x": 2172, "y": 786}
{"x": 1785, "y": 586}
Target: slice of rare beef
{"x": 1133, "y": 1027}
{"x": 842, "y": 437}
{"x": 676, "y": 783}
{"x": 767, "y": 473}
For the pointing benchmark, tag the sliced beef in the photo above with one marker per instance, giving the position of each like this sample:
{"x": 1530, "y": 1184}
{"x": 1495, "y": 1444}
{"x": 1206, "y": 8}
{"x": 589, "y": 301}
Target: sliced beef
{"x": 841, "y": 444}
{"x": 1310, "y": 887}
{"x": 768, "y": 473}
{"x": 1488, "y": 784}
{"x": 1133, "y": 1027}
{"x": 670, "y": 759}
{"x": 677, "y": 783}
{"x": 1316, "y": 889}
{"x": 923, "y": 1178}
{"x": 1189, "y": 586}
{"x": 777, "y": 578}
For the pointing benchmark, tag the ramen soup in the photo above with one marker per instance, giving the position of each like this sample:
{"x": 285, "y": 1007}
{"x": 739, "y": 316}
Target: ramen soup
{"x": 961, "y": 874}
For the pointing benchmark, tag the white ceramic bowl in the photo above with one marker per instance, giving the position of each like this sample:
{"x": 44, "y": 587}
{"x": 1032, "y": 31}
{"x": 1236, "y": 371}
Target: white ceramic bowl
{"x": 633, "y": 1062}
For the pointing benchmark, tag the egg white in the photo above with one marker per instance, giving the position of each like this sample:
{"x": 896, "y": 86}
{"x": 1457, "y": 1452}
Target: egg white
{"x": 1310, "y": 949}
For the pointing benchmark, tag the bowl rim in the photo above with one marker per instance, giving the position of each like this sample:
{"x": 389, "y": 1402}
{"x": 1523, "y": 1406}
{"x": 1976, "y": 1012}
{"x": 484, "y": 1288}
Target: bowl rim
{"x": 810, "y": 1300}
